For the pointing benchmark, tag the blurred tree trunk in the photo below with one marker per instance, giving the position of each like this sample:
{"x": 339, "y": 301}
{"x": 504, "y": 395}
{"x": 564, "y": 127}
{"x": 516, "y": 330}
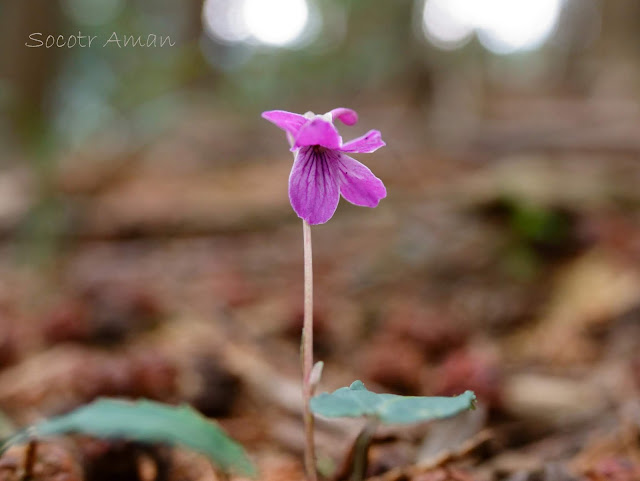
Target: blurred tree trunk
{"x": 193, "y": 32}
{"x": 620, "y": 27}
{"x": 27, "y": 71}
{"x": 193, "y": 10}
{"x": 618, "y": 48}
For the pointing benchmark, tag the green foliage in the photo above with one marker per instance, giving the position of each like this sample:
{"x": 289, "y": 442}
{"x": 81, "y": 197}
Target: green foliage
{"x": 147, "y": 421}
{"x": 357, "y": 401}
{"x": 537, "y": 224}
{"x": 6, "y": 426}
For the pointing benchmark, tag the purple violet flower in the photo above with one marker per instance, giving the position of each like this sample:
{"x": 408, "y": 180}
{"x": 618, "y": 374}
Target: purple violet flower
{"x": 321, "y": 169}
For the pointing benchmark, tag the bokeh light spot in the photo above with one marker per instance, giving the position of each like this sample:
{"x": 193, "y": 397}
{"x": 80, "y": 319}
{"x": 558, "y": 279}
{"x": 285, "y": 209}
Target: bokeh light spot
{"x": 276, "y": 22}
{"x": 511, "y": 25}
{"x": 502, "y": 26}
{"x": 444, "y": 26}
{"x": 224, "y": 20}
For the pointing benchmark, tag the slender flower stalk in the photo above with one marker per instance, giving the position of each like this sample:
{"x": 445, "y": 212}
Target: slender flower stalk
{"x": 321, "y": 173}
{"x": 306, "y": 352}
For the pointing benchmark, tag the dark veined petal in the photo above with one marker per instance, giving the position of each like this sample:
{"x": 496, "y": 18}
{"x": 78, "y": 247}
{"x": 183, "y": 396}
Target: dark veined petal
{"x": 313, "y": 186}
{"x": 287, "y": 121}
{"x": 346, "y": 116}
{"x": 369, "y": 142}
{"x": 358, "y": 185}
{"x": 318, "y": 131}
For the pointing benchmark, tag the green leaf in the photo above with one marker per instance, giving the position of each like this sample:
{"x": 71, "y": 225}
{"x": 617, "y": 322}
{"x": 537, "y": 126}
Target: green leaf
{"x": 147, "y": 421}
{"x": 356, "y": 401}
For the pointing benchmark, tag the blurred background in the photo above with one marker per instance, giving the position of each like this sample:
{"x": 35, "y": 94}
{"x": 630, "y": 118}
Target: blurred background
{"x": 148, "y": 248}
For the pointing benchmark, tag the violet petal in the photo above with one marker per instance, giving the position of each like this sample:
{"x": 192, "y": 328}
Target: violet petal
{"x": 313, "y": 185}
{"x": 358, "y": 185}
{"x": 287, "y": 121}
{"x": 369, "y": 142}
{"x": 346, "y": 116}
{"x": 318, "y": 131}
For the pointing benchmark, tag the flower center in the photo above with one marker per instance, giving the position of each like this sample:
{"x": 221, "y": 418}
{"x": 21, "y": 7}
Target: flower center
{"x": 319, "y": 149}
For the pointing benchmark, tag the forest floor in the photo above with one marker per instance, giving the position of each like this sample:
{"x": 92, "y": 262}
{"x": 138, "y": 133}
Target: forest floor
{"x": 517, "y": 278}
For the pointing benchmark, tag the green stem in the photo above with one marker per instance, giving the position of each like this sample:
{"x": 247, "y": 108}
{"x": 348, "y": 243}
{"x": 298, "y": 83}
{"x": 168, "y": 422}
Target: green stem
{"x": 361, "y": 450}
{"x": 306, "y": 350}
